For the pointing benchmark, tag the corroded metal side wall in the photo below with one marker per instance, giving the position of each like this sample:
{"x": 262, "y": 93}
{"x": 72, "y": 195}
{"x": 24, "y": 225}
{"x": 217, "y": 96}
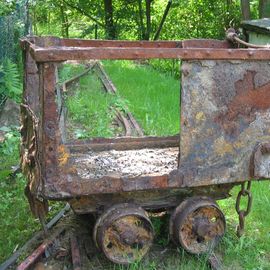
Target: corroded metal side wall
{"x": 225, "y": 117}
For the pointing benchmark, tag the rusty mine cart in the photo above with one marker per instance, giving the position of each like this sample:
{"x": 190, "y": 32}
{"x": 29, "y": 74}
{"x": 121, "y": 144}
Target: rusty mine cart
{"x": 224, "y": 142}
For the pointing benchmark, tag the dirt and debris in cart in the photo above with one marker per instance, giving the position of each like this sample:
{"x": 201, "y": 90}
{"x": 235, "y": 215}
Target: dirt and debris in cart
{"x": 129, "y": 163}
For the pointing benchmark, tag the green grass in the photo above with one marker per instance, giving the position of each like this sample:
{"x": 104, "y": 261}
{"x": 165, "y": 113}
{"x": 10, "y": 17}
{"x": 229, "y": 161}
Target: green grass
{"x": 90, "y": 111}
{"x": 153, "y": 97}
{"x": 252, "y": 251}
{"x": 67, "y": 71}
{"x": 17, "y": 224}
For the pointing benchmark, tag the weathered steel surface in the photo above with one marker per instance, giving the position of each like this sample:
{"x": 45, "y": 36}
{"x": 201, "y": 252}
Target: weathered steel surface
{"x": 157, "y": 199}
{"x": 51, "y": 139}
{"x": 51, "y": 41}
{"x": 197, "y": 224}
{"x": 124, "y": 233}
{"x": 103, "y": 144}
{"x": 260, "y": 161}
{"x": 224, "y": 121}
{"x": 225, "y": 115}
{"x": 82, "y": 53}
{"x": 31, "y": 82}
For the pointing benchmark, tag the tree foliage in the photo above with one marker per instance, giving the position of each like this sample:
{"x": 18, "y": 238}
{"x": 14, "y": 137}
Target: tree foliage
{"x": 135, "y": 19}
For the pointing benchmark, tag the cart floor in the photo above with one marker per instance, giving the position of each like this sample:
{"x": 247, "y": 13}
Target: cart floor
{"x": 128, "y": 163}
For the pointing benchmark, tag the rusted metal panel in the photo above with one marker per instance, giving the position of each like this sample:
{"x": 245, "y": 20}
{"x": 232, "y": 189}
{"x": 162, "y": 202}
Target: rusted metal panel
{"x": 119, "y": 43}
{"x": 225, "y": 113}
{"x": 260, "y": 162}
{"x": 195, "y": 43}
{"x": 31, "y": 82}
{"x": 51, "y": 134}
{"x": 224, "y": 122}
{"x": 152, "y": 200}
{"x": 82, "y": 53}
{"x": 102, "y": 144}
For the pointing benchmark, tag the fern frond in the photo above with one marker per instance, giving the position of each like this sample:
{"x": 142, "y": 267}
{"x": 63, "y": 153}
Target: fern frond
{"x": 10, "y": 84}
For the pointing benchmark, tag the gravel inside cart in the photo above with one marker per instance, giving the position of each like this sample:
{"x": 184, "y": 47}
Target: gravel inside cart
{"x": 129, "y": 163}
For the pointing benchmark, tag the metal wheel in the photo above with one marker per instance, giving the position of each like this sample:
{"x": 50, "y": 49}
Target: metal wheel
{"x": 197, "y": 224}
{"x": 124, "y": 233}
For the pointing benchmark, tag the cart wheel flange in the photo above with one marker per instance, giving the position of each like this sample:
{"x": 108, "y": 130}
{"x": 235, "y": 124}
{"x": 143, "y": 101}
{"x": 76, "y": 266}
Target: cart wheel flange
{"x": 124, "y": 233}
{"x": 197, "y": 224}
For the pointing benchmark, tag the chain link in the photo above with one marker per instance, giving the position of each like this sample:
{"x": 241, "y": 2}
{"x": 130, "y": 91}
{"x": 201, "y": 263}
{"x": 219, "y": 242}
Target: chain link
{"x": 245, "y": 191}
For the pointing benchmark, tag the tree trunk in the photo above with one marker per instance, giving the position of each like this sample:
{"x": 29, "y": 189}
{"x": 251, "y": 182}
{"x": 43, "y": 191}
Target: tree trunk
{"x": 264, "y": 8}
{"x": 64, "y": 20}
{"x": 28, "y": 26}
{"x": 141, "y": 23}
{"x": 109, "y": 25}
{"x": 156, "y": 37}
{"x": 35, "y": 21}
{"x": 148, "y": 19}
{"x": 245, "y": 7}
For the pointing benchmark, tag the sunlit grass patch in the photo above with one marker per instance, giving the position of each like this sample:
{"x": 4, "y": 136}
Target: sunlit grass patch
{"x": 153, "y": 97}
{"x": 90, "y": 109}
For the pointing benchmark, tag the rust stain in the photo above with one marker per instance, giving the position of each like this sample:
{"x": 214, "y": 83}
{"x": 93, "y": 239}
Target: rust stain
{"x": 246, "y": 102}
{"x": 222, "y": 147}
{"x": 200, "y": 116}
{"x": 63, "y": 155}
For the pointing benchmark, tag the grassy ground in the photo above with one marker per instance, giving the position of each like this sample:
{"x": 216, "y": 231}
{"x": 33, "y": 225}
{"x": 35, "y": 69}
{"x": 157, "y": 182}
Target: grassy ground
{"x": 16, "y": 222}
{"x": 14, "y": 214}
{"x": 153, "y": 97}
{"x": 90, "y": 109}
